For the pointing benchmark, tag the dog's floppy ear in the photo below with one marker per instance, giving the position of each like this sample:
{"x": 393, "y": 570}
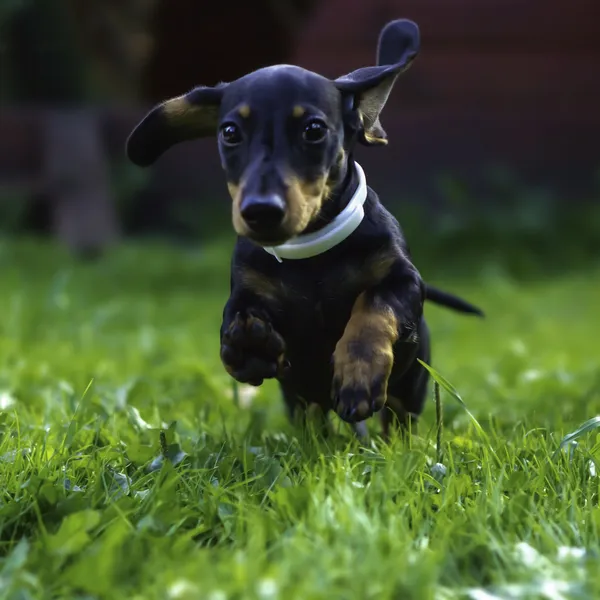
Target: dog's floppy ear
{"x": 190, "y": 116}
{"x": 399, "y": 44}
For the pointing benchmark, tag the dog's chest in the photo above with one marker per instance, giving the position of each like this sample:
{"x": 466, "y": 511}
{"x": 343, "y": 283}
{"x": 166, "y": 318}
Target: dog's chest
{"x": 318, "y": 305}
{"x": 311, "y": 301}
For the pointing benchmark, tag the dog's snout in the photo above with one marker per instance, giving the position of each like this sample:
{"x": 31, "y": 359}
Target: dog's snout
{"x": 262, "y": 213}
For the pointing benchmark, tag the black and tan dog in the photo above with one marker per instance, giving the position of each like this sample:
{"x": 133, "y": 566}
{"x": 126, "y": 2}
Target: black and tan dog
{"x": 324, "y": 296}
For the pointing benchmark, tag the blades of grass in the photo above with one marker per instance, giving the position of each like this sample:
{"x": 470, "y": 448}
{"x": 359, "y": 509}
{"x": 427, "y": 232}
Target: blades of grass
{"x": 589, "y": 425}
{"x": 74, "y": 423}
{"x": 441, "y": 380}
{"x": 446, "y": 385}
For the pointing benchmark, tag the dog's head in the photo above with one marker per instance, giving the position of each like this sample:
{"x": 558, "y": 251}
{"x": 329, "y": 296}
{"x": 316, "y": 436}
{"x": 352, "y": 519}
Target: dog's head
{"x": 284, "y": 133}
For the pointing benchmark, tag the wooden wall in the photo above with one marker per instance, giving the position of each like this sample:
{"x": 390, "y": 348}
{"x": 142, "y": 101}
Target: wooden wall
{"x": 497, "y": 81}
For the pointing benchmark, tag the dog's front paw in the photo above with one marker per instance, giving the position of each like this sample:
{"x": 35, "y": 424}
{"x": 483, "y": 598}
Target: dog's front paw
{"x": 360, "y": 380}
{"x": 251, "y": 350}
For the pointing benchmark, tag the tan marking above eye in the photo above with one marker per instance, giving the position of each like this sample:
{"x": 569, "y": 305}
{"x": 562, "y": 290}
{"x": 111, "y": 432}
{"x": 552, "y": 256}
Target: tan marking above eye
{"x": 298, "y": 111}
{"x": 244, "y": 111}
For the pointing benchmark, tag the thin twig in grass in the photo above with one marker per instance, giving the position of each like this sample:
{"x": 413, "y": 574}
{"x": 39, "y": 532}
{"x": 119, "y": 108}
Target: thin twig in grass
{"x": 443, "y": 382}
{"x": 439, "y": 417}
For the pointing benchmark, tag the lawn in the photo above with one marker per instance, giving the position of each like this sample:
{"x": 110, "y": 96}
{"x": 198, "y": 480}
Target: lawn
{"x": 231, "y": 502}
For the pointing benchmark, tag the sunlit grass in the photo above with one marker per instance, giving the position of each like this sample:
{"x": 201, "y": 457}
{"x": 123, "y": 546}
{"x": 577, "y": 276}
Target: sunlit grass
{"x": 96, "y": 360}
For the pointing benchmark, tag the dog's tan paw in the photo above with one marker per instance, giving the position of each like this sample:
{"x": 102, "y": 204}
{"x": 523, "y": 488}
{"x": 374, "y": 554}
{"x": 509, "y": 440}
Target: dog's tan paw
{"x": 360, "y": 380}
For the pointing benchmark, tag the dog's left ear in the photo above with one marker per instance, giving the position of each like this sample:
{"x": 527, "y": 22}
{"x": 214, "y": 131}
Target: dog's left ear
{"x": 399, "y": 44}
{"x": 188, "y": 117}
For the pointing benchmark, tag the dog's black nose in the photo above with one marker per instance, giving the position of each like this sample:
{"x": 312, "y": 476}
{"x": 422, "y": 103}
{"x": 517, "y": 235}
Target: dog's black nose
{"x": 262, "y": 213}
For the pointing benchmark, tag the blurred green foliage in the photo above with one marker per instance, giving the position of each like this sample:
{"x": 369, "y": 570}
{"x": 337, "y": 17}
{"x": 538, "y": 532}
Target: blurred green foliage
{"x": 231, "y": 502}
{"x": 525, "y": 229}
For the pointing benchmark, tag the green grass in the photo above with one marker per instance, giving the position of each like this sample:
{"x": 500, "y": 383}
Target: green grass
{"x": 96, "y": 359}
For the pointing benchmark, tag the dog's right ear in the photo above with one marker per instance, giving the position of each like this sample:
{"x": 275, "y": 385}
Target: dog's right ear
{"x": 393, "y": 40}
{"x": 398, "y": 46}
{"x": 190, "y": 116}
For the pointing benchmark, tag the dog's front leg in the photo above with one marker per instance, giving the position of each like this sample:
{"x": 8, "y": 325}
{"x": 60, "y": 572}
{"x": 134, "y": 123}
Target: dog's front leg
{"x": 251, "y": 350}
{"x": 381, "y": 317}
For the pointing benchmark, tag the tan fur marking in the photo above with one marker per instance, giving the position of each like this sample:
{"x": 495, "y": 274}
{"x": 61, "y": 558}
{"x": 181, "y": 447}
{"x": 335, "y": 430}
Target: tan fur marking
{"x": 234, "y": 190}
{"x": 368, "y": 273}
{"x": 369, "y": 118}
{"x": 181, "y": 113}
{"x": 179, "y": 107}
{"x": 379, "y": 266}
{"x": 378, "y": 324}
{"x": 304, "y": 200}
{"x": 375, "y": 140}
{"x": 260, "y": 284}
{"x": 239, "y": 225}
{"x": 244, "y": 111}
{"x": 298, "y": 111}
{"x": 371, "y": 332}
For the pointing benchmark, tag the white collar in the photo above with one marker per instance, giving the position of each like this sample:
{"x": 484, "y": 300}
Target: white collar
{"x": 344, "y": 224}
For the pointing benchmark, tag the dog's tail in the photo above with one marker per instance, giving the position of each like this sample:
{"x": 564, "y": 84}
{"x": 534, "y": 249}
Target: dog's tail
{"x": 442, "y": 298}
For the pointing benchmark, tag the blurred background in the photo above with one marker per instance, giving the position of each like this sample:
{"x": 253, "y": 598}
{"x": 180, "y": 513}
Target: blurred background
{"x": 493, "y": 132}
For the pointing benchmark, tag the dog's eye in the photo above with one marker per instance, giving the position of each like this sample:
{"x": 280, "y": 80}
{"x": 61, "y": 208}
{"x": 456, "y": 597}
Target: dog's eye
{"x": 314, "y": 131}
{"x": 231, "y": 134}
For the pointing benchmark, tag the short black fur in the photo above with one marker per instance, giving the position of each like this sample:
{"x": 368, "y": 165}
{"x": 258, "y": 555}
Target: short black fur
{"x": 341, "y": 330}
